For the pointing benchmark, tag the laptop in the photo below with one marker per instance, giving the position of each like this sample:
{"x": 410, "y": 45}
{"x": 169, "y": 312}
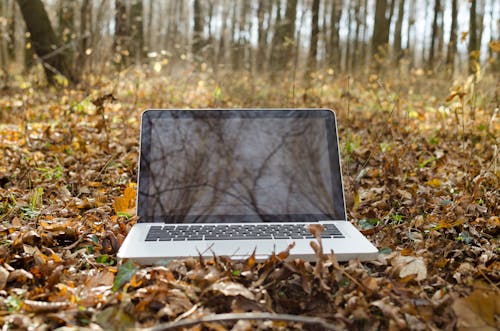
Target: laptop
{"x": 234, "y": 182}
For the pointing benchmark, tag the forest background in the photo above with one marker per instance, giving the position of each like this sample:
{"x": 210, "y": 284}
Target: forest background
{"x": 414, "y": 84}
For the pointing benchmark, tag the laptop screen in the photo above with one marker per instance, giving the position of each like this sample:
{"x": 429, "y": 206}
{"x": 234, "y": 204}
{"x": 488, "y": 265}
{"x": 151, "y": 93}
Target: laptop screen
{"x": 202, "y": 166}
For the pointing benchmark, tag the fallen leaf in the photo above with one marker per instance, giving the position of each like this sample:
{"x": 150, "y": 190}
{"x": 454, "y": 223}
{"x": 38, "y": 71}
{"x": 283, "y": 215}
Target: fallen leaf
{"x": 410, "y": 266}
{"x": 4, "y": 275}
{"x": 126, "y": 203}
{"x": 124, "y": 274}
{"x": 232, "y": 289}
{"x": 479, "y": 311}
{"x": 43, "y": 306}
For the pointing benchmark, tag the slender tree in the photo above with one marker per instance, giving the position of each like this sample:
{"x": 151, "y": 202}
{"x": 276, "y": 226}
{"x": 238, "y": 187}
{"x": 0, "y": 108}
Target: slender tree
{"x": 435, "y": 34}
{"x": 364, "y": 44}
{"x": 149, "y": 25}
{"x": 3, "y": 47}
{"x": 334, "y": 38}
{"x": 398, "y": 48}
{"x": 381, "y": 27}
{"x": 136, "y": 46}
{"x": 473, "y": 47}
{"x": 221, "y": 53}
{"x": 28, "y": 51}
{"x": 11, "y": 33}
{"x": 313, "y": 48}
{"x": 197, "y": 27}
{"x": 452, "y": 45}
{"x": 261, "y": 35}
{"x": 66, "y": 28}
{"x": 357, "y": 19}
{"x": 410, "y": 27}
{"x": 44, "y": 40}
{"x": 348, "y": 41}
{"x": 122, "y": 33}
{"x": 283, "y": 40}
{"x": 66, "y": 16}
{"x": 84, "y": 35}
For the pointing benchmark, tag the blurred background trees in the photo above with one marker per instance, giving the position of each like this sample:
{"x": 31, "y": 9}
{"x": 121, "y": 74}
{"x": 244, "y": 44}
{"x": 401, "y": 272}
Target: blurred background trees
{"x": 355, "y": 36}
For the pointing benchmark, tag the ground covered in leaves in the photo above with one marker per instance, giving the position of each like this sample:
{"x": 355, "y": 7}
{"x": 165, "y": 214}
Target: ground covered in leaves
{"x": 420, "y": 159}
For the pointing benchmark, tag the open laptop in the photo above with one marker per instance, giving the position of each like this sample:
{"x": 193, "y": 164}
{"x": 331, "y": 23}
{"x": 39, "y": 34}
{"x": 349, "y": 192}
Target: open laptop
{"x": 231, "y": 181}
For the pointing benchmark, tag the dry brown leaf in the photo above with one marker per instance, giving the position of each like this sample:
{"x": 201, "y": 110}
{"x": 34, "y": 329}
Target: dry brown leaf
{"x": 391, "y": 311}
{"x": 410, "y": 266}
{"x": 316, "y": 229}
{"x": 43, "y": 306}
{"x": 231, "y": 289}
{"x": 4, "y": 275}
{"x": 20, "y": 275}
{"x": 479, "y": 311}
{"x": 283, "y": 255}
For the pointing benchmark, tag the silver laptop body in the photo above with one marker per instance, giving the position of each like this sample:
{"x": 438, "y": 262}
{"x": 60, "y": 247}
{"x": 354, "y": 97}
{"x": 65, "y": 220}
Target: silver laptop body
{"x": 234, "y": 181}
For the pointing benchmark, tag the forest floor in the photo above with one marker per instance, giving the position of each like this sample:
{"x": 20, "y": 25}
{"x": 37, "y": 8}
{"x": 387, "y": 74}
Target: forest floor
{"x": 421, "y": 172}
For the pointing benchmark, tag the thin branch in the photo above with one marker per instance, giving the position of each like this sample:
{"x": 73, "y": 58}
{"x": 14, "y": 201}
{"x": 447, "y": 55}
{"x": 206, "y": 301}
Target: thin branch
{"x": 243, "y": 316}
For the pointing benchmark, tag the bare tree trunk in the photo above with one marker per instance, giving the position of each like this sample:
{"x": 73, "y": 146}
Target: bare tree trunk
{"x": 365, "y": 31}
{"x": 398, "y": 48}
{"x": 277, "y": 37}
{"x": 44, "y": 40}
{"x": 197, "y": 28}
{"x": 434, "y": 37}
{"x": 66, "y": 27}
{"x": 122, "y": 33}
{"x": 355, "y": 51}
{"x": 84, "y": 41}
{"x": 172, "y": 27}
{"x": 137, "y": 31}
{"x": 334, "y": 56}
{"x": 221, "y": 53}
{"x": 480, "y": 23}
{"x": 284, "y": 37}
{"x": 473, "y": 47}
{"x": 28, "y": 51}
{"x": 348, "y": 41}
{"x": 494, "y": 57}
{"x": 66, "y": 16}
{"x": 4, "y": 57}
{"x": 313, "y": 49}
{"x": 411, "y": 24}
{"x": 11, "y": 33}
{"x": 452, "y": 45}
{"x": 380, "y": 31}
{"x": 235, "y": 60}
{"x": 149, "y": 33}
{"x": 261, "y": 36}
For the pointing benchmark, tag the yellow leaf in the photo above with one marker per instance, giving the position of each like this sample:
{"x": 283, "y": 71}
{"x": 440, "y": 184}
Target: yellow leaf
{"x": 357, "y": 200}
{"x": 495, "y": 46}
{"x": 447, "y": 224}
{"x": 434, "y": 182}
{"x": 125, "y": 203}
{"x": 464, "y": 36}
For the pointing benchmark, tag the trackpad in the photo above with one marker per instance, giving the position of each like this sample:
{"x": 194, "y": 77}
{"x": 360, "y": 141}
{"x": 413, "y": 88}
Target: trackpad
{"x": 238, "y": 248}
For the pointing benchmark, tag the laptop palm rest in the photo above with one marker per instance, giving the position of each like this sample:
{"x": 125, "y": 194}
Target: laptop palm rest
{"x": 228, "y": 248}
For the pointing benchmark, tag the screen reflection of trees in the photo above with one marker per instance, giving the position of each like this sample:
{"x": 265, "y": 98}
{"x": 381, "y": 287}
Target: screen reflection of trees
{"x": 201, "y": 168}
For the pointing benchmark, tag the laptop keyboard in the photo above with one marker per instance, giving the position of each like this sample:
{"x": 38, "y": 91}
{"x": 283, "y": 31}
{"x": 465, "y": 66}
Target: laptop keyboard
{"x": 236, "y": 232}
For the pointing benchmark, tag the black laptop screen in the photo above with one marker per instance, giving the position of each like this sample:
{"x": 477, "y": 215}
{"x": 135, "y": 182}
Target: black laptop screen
{"x": 202, "y": 166}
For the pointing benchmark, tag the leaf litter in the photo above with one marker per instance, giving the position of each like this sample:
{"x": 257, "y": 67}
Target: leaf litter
{"x": 422, "y": 188}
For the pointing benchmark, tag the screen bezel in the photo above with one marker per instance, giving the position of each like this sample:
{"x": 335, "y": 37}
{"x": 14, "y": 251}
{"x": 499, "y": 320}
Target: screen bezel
{"x": 328, "y": 115}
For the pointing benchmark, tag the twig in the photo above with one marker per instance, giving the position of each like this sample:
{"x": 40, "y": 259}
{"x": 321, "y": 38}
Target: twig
{"x": 489, "y": 280}
{"x": 103, "y": 168}
{"x": 243, "y": 316}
